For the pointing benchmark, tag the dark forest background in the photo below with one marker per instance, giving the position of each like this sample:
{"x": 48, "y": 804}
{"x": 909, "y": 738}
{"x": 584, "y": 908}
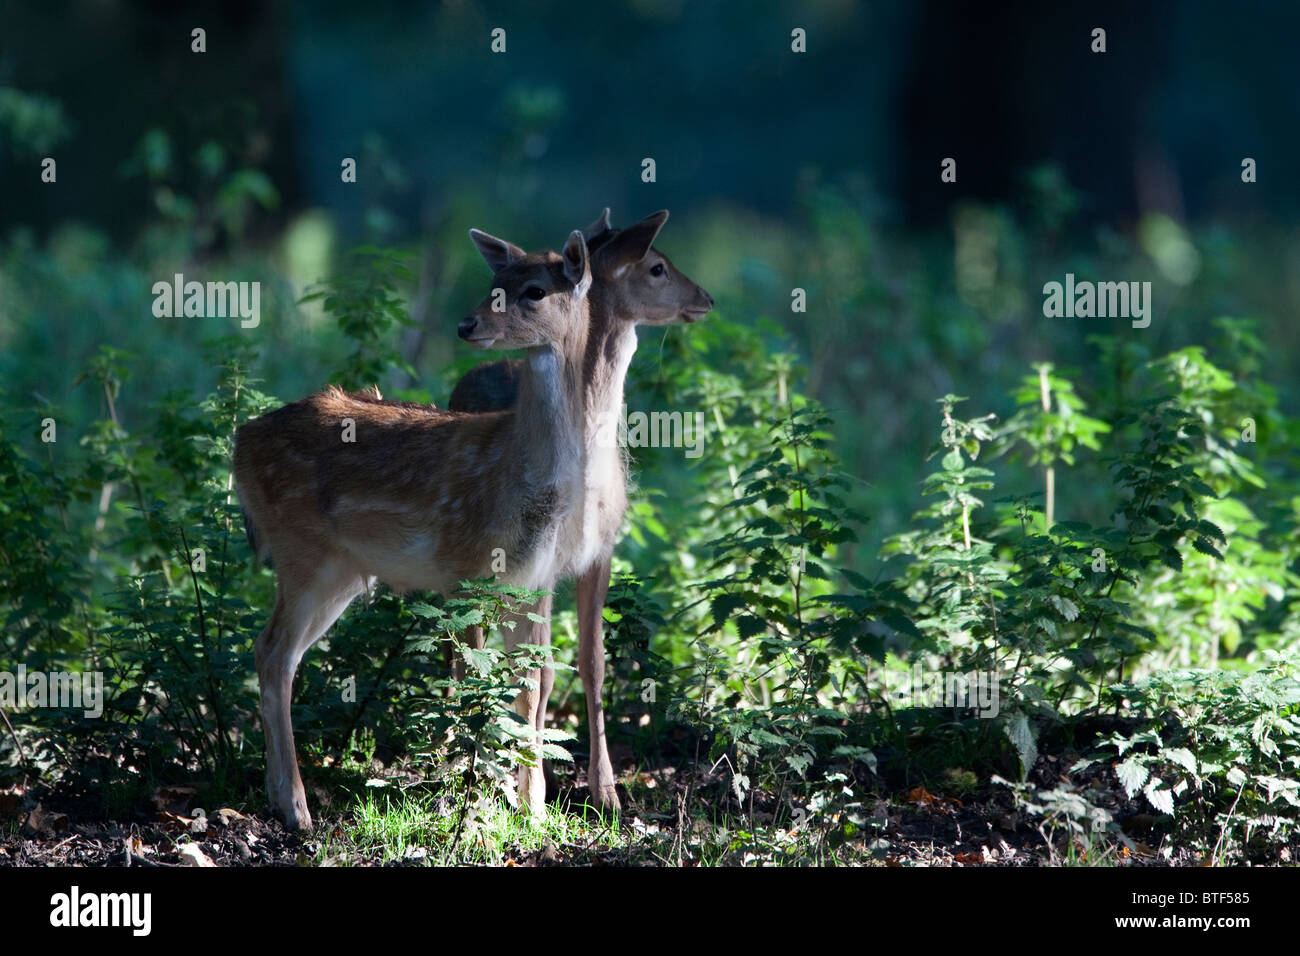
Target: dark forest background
{"x": 1067, "y": 160}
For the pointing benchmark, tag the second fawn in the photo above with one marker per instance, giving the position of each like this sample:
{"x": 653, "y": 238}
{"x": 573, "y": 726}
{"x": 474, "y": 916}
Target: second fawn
{"x": 632, "y": 284}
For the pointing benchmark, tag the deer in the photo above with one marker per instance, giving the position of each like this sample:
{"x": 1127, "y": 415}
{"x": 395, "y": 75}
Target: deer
{"x": 632, "y": 284}
{"x": 422, "y": 497}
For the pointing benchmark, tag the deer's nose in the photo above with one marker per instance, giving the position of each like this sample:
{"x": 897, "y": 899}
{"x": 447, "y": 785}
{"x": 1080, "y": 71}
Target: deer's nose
{"x": 467, "y": 326}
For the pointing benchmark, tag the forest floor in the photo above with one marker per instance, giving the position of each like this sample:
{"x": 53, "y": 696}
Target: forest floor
{"x": 672, "y": 816}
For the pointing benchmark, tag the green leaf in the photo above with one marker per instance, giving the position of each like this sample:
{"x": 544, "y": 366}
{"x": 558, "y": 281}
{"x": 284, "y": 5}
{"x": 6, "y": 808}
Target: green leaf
{"x": 1181, "y": 756}
{"x": 724, "y": 605}
{"x": 556, "y": 752}
{"x": 1161, "y": 799}
{"x": 1021, "y": 736}
{"x": 760, "y": 736}
{"x": 1206, "y": 546}
{"x": 1132, "y": 775}
{"x": 1067, "y": 608}
{"x": 1211, "y": 530}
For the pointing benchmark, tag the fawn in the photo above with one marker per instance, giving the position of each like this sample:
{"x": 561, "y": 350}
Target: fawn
{"x": 422, "y": 497}
{"x": 632, "y": 284}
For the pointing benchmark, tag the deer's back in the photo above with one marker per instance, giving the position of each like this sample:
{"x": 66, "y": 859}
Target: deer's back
{"x": 420, "y": 498}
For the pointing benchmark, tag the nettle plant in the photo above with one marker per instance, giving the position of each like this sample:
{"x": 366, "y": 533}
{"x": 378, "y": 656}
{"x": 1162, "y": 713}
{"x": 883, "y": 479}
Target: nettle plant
{"x": 1065, "y": 815}
{"x": 954, "y": 577}
{"x": 1220, "y": 754}
{"x": 176, "y": 636}
{"x": 778, "y": 656}
{"x": 477, "y": 737}
{"x": 1207, "y": 608}
{"x": 44, "y": 581}
{"x": 1051, "y": 426}
{"x": 366, "y": 300}
{"x": 156, "y": 598}
{"x": 1051, "y": 613}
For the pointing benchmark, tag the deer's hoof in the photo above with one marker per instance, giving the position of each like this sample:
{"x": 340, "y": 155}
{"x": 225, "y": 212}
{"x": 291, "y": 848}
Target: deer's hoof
{"x": 293, "y": 811}
{"x": 607, "y": 798}
{"x": 297, "y": 819}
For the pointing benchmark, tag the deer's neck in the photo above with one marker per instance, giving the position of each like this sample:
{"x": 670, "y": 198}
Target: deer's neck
{"x": 609, "y": 354}
{"x": 548, "y": 428}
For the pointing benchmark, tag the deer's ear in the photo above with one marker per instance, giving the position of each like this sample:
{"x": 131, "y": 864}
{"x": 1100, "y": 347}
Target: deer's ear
{"x": 601, "y": 225}
{"x": 497, "y": 252}
{"x": 631, "y": 245}
{"x": 576, "y": 267}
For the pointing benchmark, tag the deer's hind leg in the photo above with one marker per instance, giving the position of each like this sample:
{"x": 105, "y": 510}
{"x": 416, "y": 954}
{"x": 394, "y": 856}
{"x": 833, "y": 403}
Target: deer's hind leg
{"x": 305, "y": 607}
{"x": 593, "y": 588}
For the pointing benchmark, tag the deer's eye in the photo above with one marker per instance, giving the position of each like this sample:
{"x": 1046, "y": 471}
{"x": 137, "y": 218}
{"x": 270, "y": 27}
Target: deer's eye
{"x": 535, "y": 292}
{"x": 657, "y": 269}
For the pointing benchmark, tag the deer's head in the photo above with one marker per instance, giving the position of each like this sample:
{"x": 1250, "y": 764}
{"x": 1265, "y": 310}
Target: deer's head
{"x": 638, "y": 283}
{"x": 536, "y": 299}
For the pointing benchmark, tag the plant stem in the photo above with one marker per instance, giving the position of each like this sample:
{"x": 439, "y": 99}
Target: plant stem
{"x": 1049, "y": 510}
